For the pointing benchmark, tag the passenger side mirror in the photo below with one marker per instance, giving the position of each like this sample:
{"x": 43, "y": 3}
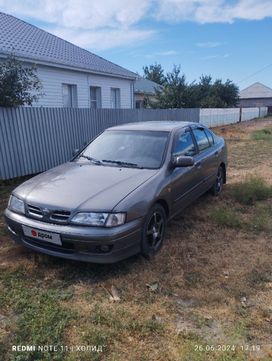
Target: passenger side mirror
{"x": 183, "y": 161}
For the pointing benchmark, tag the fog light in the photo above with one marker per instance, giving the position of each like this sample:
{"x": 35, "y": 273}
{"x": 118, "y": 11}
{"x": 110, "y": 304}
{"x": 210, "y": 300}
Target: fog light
{"x": 105, "y": 248}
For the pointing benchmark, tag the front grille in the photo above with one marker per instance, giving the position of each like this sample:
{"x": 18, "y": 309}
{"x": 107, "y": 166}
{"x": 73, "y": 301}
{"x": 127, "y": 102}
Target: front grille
{"x": 48, "y": 215}
{"x": 34, "y": 211}
{"x": 61, "y": 216}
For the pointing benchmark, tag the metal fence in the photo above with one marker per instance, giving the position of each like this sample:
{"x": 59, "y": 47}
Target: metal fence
{"x": 35, "y": 139}
{"x": 217, "y": 117}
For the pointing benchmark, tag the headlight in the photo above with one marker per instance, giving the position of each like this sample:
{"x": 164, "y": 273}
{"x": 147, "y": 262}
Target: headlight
{"x": 15, "y": 204}
{"x": 99, "y": 219}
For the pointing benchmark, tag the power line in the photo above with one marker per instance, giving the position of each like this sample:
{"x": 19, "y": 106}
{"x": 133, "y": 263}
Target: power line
{"x": 256, "y": 72}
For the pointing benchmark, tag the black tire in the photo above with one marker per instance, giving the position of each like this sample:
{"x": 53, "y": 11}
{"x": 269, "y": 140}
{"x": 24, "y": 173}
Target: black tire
{"x": 218, "y": 184}
{"x": 153, "y": 231}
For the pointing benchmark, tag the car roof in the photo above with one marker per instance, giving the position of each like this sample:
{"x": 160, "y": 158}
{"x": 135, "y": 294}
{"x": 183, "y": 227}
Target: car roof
{"x": 157, "y": 125}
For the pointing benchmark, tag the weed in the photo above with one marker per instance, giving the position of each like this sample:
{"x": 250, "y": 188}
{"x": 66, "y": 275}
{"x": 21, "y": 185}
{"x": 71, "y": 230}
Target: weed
{"x": 259, "y": 275}
{"x": 251, "y": 190}
{"x": 193, "y": 278}
{"x": 261, "y": 220}
{"x": 262, "y": 134}
{"x": 226, "y": 217}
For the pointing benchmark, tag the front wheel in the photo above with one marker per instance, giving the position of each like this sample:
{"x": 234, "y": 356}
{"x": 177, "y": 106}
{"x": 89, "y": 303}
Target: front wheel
{"x": 218, "y": 184}
{"x": 153, "y": 231}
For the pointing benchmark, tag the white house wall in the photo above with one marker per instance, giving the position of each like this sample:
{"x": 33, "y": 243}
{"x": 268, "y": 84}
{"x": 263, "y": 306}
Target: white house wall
{"x": 53, "y": 78}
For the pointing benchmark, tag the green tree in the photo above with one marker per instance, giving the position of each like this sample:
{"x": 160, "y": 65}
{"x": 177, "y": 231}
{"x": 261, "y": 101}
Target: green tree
{"x": 218, "y": 94}
{"x": 19, "y": 84}
{"x": 155, "y": 73}
{"x": 177, "y": 93}
{"x": 174, "y": 91}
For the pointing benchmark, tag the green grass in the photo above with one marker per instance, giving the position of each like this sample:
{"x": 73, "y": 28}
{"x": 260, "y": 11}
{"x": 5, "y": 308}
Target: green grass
{"x": 40, "y": 317}
{"x": 251, "y": 190}
{"x": 262, "y": 134}
{"x": 107, "y": 326}
{"x": 120, "y": 320}
{"x": 226, "y": 217}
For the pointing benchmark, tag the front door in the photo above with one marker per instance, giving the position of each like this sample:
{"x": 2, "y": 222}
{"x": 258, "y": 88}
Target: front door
{"x": 185, "y": 181}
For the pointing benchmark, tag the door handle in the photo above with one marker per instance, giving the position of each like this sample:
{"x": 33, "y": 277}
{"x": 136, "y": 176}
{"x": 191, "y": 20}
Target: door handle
{"x": 198, "y": 164}
{"x": 216, "y": 153}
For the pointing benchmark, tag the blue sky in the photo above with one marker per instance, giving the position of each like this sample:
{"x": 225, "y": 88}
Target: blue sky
{"x": 223, "y": 38}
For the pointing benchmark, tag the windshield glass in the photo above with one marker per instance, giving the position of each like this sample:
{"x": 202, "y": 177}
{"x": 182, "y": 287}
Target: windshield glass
{"x": 142, "y": 149}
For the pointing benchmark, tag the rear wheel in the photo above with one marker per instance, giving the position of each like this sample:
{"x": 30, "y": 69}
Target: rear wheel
{"x": 153, "y": 231}
{"x": 218, "y": 184}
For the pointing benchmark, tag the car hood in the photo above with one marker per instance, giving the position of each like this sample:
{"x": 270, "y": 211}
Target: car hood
{"x": 83, "y": 186}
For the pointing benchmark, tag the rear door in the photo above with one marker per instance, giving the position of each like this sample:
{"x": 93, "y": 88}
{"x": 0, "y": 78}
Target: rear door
{"x": 185, "y": 181}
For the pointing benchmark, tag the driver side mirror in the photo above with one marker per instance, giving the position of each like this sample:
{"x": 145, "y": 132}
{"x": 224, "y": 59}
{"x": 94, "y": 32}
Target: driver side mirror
{"x": 183, "y": 161}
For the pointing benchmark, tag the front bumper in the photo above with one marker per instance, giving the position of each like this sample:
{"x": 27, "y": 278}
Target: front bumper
{"x": 79, "y": 243}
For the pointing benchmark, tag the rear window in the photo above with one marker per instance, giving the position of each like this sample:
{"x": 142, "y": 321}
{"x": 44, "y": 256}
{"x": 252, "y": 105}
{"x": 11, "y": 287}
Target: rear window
{"x": 210, "y": 136}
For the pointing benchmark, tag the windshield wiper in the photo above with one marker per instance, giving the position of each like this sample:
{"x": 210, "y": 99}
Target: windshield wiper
{"x": 95, "y": 161}
{"x": 119, "y": 162}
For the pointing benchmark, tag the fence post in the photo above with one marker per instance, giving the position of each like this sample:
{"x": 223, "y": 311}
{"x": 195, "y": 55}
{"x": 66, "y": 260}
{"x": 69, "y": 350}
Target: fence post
{"x": 240, "y": 114}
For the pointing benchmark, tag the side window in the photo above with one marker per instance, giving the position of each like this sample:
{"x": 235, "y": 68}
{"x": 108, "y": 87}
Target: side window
{"x": 201, "y": 139}
{"x": 184, "y": 145}
{"x": 210, "y": 136}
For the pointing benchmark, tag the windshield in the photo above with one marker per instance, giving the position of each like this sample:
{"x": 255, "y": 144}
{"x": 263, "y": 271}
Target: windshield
{"x": 143, "y": 149}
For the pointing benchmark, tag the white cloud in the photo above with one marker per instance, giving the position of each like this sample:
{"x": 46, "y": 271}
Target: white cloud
{"x": 213, "y": 11}
{"x": 86, "y": 14}
{"x": 92, "y": 24}
{"x": 209, "y": 44}
{"x": 167, "y": 53}
{"x": 215, "y": 56}
{"x": 102, "y": 39}
{"x": 109, "y": 23}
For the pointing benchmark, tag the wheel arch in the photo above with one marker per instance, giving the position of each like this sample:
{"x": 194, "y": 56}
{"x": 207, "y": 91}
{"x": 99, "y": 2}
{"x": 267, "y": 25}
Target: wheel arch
{"x": 223, "y": 165}
{"x": 165, "y": 206}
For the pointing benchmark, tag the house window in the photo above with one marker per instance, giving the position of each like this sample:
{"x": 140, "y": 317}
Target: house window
{"x": 69, "y": 95}
{"x": 95, "y": 94}
{"x": 115, "y": 98}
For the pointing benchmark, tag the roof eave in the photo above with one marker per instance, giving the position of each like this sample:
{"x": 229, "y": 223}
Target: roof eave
{"x": 143, "y": 93}
{"x": 68, "y": 67}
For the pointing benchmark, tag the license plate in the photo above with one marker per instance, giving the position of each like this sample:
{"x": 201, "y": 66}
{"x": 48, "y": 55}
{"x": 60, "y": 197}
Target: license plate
{"x": 42, "y": 235}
